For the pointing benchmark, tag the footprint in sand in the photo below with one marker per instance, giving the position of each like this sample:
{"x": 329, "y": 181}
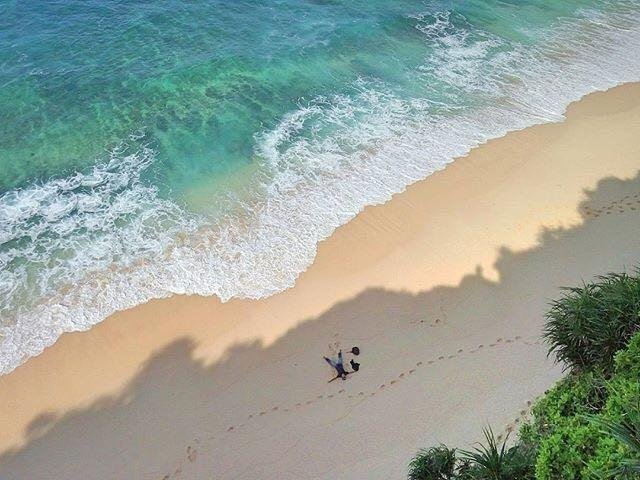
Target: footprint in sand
{"x": 441, "y": 357}
{"x": 360, "y": 393}
{"x": 481, "y": 346}
{"x": 381, "y": 386}
{"x": 340, "y": 391}
{"x": 274, "y": 409}
{"x": 230, "y": 429}
{"x": 392, "y": 382}
{"x": 419, "y": 364}
{"x": 412, "y": 370}
{"x": 430, "y": 362}
{"x": 401, "y": 375}
{"x": 192, "y": 453}
{"x": 450, "y": 357}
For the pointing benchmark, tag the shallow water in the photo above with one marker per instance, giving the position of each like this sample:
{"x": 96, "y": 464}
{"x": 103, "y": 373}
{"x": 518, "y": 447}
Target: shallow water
{"x": 207, "y": 146}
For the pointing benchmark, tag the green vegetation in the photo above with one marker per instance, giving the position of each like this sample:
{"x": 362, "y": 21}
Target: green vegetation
{"x": 492, "y": 461}
{"x": 587, "y": 427}
{"x": 627, "y": 432}
{"x": 588, "y": 325}
{"x": 435, "y": 463}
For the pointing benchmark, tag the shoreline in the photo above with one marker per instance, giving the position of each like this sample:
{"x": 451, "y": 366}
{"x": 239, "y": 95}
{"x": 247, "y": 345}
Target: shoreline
{"x": 498, "y": 211}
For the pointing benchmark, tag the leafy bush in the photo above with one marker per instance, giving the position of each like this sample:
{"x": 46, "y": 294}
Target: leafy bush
{"x": 568, "y": 431}
{"x": 562, "y": 455}
{"x": 485, "y": 462}
{"x": 588, "y": 325}
{"x": 574, "y": 395}
{"x": 627, "y": 361}
{"x": 626, "y": 432}
{"x": 435, "y": 463}
{"x": 618, "y": 451}
{"x": 494, "y": 462}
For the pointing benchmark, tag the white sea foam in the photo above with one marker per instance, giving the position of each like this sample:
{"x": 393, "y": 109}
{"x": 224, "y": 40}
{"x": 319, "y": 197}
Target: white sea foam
{"x": 108, "y": 241}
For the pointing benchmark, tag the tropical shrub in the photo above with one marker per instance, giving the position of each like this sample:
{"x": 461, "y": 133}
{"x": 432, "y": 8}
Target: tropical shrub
{"x": 627, "y": 361}
{"x": 589, "y": 324}
{"x": 573, "y": 423}
{"x": 562, "y": 455}
{"x": 626, "y": 432}
{"x": 489, "y": 461}
{"x": 435, "y": 463}
{"x": 496, "y": 462}
{"x": 571, "y": 396}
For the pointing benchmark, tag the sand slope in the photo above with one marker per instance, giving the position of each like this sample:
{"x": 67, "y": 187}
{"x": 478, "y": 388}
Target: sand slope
{"x": 443, "y": 288}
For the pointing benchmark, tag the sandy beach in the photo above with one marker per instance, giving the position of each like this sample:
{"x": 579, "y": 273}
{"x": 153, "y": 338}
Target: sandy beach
{"x": 443, "y": 288}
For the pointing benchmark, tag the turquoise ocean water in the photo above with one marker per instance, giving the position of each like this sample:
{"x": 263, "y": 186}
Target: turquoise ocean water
{"x": 158, "y": 147}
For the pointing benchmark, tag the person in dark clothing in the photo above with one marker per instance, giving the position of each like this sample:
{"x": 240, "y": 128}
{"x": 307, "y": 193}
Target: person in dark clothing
{"x": 355, "y": 351}
{"x": 338, "y": 366}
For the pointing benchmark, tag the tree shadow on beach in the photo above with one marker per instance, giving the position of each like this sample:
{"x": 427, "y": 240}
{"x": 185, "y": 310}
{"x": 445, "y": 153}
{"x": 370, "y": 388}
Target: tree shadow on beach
{"x": 176, "y": 403}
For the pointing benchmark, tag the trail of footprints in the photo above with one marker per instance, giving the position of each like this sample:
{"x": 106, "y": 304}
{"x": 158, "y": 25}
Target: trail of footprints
{"x": 624, "y": 204}
{"x": 192, "y": 453}
{"x": 522, "y": 417}
{"x": 342, "y": 392}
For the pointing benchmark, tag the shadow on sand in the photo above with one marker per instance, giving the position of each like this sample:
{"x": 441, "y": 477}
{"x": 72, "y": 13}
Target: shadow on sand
{"x": 172, "y": 398}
